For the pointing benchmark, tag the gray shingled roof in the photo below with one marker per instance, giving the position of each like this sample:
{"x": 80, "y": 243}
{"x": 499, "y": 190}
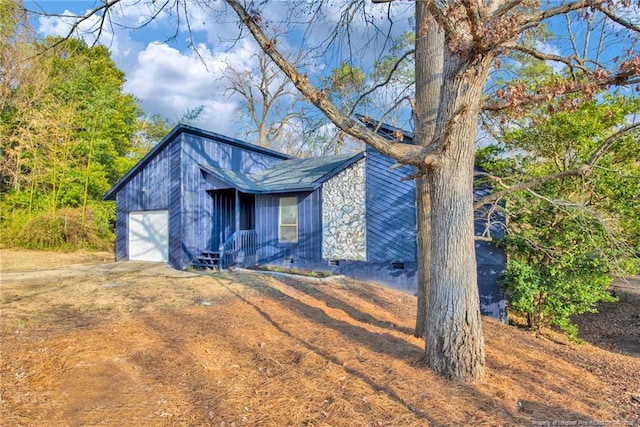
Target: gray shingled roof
{"x": 286, "y": 176}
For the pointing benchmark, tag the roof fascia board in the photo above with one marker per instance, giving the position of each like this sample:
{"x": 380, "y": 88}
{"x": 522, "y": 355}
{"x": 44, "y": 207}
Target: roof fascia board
{"x": 211, "y": 171}
{"x": 283, "y": 191}
{"x": 216, "y": 181}
{"x": 182, "y": 129}
{"x": 338, "y": 169}
{"x": 234, "y": 142}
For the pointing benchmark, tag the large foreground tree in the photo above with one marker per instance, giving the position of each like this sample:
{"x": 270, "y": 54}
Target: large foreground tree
{"x": 474, "y": 35}
{"x": 457, "y": 44}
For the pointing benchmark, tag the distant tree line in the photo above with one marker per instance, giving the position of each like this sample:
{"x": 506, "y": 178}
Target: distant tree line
{"x": 68, "y": 132}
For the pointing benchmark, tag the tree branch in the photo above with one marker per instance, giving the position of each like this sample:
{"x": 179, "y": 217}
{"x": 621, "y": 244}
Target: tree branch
{"x": 104, "y": 7}
{"x": 541, "y": 15}
{"x": 405, "y": 153}
{"x": 549, "y": 92}
{"x": 440, "y": 142}
{"x": 438, "y": 10}
{"x": 473, "y": 17}
{"x": 604, "y": 146}
{"x": 618, "y": 172}
{"x": 564, "y": 203}
{"x": 618, "y": 20}
{"x": 499, "y": 8}
{"x": 545, "y": 56}
{"x": 581, "y": 171}
{"x": 493, "y": 197}
{"x": 384, "y": 83}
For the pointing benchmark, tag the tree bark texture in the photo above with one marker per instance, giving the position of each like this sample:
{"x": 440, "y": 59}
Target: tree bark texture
{"x": 428, "y": 60}
{"x": 454, "y": 345}
{"x": 454, "y": 342}
{"x": 423, "y": 221}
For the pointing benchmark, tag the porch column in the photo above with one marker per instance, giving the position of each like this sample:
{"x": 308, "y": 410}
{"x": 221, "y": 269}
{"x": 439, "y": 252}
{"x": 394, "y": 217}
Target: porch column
{"x": 237, "y": 210}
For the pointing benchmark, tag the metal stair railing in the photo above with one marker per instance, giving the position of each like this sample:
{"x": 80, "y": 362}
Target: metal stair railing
{"x": 240, "y": 248}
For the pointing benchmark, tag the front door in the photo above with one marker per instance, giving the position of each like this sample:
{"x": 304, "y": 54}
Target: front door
{"x": 224, "y": 216}
{"x": 247, "y": 211}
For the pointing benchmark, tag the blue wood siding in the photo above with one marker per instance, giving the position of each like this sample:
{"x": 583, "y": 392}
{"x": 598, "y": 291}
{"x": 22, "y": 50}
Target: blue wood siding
{"x": 216, "y": 153}
{"x": 391, "y": 210}
{"x": 172, "y": 180}
{"x": 202, "y": 224}
{"x": 308, "y": 249}
{"x": 175, "y": 204}
{"x": 224, "y": 217}
{"x": 391, "y": 236}
{"x": 147, "y": 190}
{"x": 122, "y": 228}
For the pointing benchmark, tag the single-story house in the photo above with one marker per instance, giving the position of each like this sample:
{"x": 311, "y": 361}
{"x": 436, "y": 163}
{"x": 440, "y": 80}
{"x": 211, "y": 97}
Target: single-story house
{"x": 200, "y": 199}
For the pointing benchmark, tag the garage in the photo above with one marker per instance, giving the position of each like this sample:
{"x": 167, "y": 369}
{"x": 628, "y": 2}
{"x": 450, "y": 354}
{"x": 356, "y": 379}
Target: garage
{"x": 149, "y": 236}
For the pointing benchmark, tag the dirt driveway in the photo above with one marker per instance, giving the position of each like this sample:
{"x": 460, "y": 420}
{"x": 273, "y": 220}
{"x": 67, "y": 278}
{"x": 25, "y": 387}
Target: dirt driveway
{"x": 141, "y": 344}
{"x": 143, "y": 269}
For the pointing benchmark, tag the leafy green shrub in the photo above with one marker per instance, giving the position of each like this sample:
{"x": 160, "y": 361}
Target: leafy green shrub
{"x": 67, "y": 229}
{"x": 558, "y": 264}
{"x": 566, "y": 236}
{"x": 549, "y": 294}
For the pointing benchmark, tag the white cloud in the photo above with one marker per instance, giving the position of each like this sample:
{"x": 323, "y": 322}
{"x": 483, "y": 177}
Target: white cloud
{"x": 122, "y": 47}
{"x": 549, "y": 49}
{"x": 169, "y": 78}
{"x": 87, "y": 29}
{"x": 169, "y": 82}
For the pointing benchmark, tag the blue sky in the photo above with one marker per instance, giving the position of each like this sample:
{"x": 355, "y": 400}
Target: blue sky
{"x": 169, "y": 78}
{"x": 163, "y": 72}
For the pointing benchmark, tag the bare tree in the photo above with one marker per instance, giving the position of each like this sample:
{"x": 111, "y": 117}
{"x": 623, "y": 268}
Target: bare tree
{"x": 270, "y": 103}
{"x": 474, "y": 36}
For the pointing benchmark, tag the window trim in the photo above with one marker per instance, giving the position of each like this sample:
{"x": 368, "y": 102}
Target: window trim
{"x": 280, "y": 224}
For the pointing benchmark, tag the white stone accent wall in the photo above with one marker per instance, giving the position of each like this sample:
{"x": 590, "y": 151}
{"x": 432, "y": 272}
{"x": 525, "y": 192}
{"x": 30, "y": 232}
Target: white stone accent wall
{"x": 343, "y": 215}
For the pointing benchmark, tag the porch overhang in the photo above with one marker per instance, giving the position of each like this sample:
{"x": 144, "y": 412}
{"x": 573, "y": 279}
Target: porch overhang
{"x": 221, "y": 179}
{"x": 299, "y": 175}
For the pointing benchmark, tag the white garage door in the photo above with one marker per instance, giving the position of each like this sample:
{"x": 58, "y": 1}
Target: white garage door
{"x": 149, "y": 236}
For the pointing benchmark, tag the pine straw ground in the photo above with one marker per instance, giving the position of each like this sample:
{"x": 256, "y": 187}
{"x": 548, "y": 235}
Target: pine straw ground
{"x": 151, "y": 347}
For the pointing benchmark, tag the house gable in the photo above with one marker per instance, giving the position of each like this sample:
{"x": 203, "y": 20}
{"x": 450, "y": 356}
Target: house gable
{"x": 197, "y": 140}
{"x": 204, "y": 218}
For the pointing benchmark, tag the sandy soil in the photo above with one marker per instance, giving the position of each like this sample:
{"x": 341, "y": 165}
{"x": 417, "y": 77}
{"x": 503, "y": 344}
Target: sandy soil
{"x": 19, "y": 260}
{"x": 141, "y": 344}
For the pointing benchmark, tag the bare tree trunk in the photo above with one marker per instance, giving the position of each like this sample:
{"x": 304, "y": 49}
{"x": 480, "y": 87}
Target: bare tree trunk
{"x": 454, "y": 341}
{"x": 423, "y": 200}
{"x": 428, "y": 61}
